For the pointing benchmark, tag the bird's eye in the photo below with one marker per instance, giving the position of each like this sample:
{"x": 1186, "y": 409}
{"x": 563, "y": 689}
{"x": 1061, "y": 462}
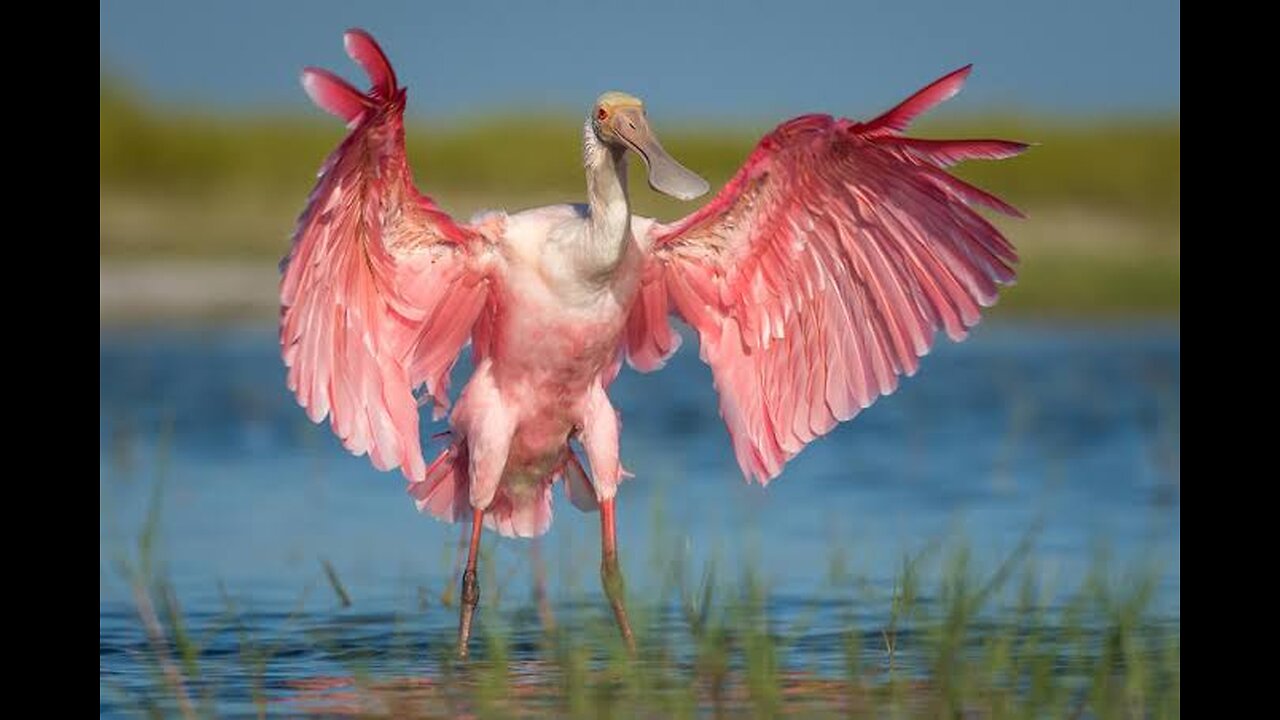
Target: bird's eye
{"x": 631, "y": 125}
{"x": 602, "y": 114}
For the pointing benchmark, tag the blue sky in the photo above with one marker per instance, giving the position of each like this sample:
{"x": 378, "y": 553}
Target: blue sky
{"x": 698, "y": 61}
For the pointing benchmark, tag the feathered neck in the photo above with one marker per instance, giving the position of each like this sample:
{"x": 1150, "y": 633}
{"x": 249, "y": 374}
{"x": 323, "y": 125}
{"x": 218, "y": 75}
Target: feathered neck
{"x": 607, "y": 198}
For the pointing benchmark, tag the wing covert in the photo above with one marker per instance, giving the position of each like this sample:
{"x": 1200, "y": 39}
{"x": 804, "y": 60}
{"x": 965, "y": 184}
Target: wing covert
{"x": 822, "y": 271}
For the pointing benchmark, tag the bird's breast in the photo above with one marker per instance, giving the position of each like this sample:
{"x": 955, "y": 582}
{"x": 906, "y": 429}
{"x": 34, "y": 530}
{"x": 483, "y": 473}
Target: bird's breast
{"x": 549, "y": 350}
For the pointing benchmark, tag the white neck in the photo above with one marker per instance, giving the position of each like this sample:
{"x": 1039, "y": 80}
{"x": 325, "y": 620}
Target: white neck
{"x": 610, "y": 208}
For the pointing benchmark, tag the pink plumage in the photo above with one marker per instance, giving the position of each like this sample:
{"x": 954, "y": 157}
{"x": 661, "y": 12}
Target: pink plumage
{"x": 815, "y": 279}
{"x": 362, "y": 48}
{"x": 334, "y": 95}
{"x": 822, "y": 270}
{"x": 377, "y": 284}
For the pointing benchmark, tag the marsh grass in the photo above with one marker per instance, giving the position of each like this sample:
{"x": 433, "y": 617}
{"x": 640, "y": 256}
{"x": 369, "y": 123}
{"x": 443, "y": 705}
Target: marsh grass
{"x": 947, "y": 638}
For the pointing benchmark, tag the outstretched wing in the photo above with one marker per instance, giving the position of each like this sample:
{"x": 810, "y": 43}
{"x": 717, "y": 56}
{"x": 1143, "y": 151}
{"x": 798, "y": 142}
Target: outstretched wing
{"x": 381, "y": 289}
{"x": 822, "y": 271}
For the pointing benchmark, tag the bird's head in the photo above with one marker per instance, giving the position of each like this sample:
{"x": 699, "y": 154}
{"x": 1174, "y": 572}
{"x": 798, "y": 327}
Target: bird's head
{"x": 620, "y": 122}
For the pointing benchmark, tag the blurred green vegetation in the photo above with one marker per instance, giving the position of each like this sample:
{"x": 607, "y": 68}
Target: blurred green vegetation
{"x": 1123, "y": 165}
{"x": 1103, "y": 196}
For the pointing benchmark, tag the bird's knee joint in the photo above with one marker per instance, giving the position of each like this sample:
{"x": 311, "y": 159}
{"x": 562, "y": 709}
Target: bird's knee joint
{"x": 470, "y": 588}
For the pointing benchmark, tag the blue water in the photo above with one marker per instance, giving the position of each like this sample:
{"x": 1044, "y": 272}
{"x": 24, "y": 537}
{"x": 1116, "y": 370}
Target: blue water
{"x": 1066, "y": 435}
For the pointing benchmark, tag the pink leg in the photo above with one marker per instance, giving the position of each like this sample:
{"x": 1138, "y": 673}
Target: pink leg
{"x": 470, "y": 586}
{"x": 610, "y": 574}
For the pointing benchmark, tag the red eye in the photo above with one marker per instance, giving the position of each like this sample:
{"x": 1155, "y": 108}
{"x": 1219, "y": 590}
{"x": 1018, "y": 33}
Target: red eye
{"x": 602, "y": 114}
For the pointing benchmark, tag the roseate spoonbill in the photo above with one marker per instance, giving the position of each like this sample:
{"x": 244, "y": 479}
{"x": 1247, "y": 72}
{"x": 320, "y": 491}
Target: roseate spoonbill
{"x": 819, "y": 274}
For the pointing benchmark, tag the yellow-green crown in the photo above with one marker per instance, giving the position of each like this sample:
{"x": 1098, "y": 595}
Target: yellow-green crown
{"x": 613, "y": 98}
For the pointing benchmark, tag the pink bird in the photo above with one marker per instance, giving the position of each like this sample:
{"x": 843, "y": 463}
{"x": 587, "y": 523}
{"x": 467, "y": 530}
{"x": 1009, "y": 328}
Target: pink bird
{"x": 816, "y": 277}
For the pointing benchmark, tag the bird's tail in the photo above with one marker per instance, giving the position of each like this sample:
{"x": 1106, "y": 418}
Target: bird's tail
{"x": 445, "y": 493}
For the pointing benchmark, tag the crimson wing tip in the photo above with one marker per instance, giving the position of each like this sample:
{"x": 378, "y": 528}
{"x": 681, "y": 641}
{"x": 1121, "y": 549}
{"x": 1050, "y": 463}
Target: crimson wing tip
{"x": 357, "y": 32}
{"x": 952, "y": 83}
{"x": 333, "y": 94}
{"x": 365, "y": 51}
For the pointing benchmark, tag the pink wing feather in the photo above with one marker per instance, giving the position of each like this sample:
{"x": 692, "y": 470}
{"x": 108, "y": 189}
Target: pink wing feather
{"x": 822, "y": 271}
{"x": 381, "y": 288}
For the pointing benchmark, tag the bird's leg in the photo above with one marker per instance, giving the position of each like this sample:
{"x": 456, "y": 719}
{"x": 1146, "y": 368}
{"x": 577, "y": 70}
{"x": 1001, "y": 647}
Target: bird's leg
{"x": 470, "y": 586}
{"x": 610, "y": 574}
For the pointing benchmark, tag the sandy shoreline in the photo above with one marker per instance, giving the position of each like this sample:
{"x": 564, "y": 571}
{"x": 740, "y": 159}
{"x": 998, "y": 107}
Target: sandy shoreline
{"x": 157, "y": 290}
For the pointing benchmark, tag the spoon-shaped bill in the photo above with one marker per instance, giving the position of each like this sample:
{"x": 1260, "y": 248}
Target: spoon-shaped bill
{"x": 665, "y": 174}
